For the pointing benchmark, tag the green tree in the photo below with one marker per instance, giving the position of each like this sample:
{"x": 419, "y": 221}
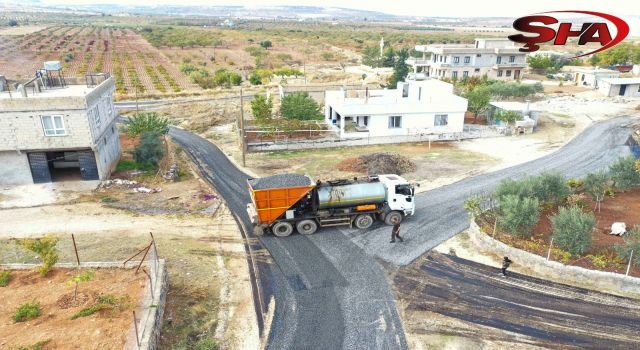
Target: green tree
{"x": 388, "y": 57}
{"x": 371, "y": 57}
{"x": 623, "y": 172}
{"x": 400, "y": 68}
{"x": 631, "y": 244}
{"x": 299, "y": 105}
{"x": 261, "y": 108}
{"x": 517, "y": 215}
{"x": 13, "y": 23}
{"x": 572, "y": 229}
{"x": 266, "y": 44}
{"x": 539, "y": 61}
{"x": 596, "y": 184}
{"x": 150, "y": 150}
{"x": 45, "y": 247}
{"x": 143, "y": 122}
{"x": 254, "y": 78}
{"x": 479, "y": 99}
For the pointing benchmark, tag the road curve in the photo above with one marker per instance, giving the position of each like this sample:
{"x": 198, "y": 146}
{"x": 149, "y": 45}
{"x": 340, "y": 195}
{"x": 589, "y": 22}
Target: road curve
{"x": 329, "y": 293}
{"x": 439, "y": 213}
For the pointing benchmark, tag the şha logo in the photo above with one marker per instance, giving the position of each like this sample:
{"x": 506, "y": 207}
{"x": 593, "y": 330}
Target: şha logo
{"x": 591, "y": 32}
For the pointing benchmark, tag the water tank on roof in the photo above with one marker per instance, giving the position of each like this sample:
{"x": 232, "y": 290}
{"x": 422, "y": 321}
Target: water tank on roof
{"x": 52, "y": 65}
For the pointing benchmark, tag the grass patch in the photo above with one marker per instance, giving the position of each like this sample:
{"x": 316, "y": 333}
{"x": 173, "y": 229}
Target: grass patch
{"x": 128, "y": 165}
{"x": 88, "y": 311}
{"x": 5, "y": 277}
{"x": 108, "y": 199}
{"x": 27, "y": 311}
{"x": 37, "y": 346}
{"x": 103, "y": 302}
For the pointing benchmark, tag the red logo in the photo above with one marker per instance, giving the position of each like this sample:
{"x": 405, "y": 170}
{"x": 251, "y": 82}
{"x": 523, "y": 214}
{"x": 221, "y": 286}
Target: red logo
{"x": 591, "y": 32}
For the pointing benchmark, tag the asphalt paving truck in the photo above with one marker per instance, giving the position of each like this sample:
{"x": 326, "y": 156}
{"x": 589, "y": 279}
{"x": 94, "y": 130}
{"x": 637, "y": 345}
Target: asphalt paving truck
{"x": 283, "y": 203}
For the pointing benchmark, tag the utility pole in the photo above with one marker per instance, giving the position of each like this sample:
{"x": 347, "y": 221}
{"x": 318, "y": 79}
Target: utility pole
{"x": 243, "y": 139}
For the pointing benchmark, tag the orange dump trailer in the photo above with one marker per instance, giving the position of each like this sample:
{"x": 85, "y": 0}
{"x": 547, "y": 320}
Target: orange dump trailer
{"x": 270, "y": 204}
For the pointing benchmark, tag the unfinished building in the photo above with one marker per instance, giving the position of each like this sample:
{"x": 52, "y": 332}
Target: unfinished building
{"x": 57, "y": 129}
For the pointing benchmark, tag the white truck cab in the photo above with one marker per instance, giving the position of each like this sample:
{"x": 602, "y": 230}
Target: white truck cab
{"x": 400, "y": 193}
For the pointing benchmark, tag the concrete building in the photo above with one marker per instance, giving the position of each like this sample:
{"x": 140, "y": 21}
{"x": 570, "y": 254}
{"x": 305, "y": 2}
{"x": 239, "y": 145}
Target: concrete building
{"x": 62, "y": 132}
{"x": 590, "y": 76}
{"x": 414, "y": 107}
{"x": 496, "y": 58}
{"x": 627, "y": 87}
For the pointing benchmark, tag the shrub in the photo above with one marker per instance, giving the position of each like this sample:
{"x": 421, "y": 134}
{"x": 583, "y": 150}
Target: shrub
{"x": 577, "y": 200}
{"x": 88, "y": 311}
{"x": 508, "y": 117}
{"x": 595, "y": 185}
{"x": 147, "y": 122}
{"x": 518, "y": 214}
{"x": 548, "y": 187}
{"x": 261, "y": 108}
{"x": 150, "y": 150}
{"x": 255, "y": 79}
{"x": 631, "y": 243}
{"x": 206, "y": 344}
{"x": 46, "y": 248}
{"x": 624, "y": 174}
{"x": 473, "y": 205}
{"x": 575, "y": 184}
{"x": 27, "y": 311}
{"x": 572, "y": 229}
{"x": 300, "y": 106}
{"x": 266, "y": 44}
{"x": 5, "y": 277}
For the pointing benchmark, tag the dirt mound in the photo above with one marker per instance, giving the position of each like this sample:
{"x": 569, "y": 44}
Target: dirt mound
{"x": 68, "y": 300}
{"x": 378, "y": 163}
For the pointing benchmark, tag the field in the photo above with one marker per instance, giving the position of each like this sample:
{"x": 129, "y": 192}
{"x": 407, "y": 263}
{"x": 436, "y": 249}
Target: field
{"x": 133, "y": 62}
{"x": 107, "y": 329}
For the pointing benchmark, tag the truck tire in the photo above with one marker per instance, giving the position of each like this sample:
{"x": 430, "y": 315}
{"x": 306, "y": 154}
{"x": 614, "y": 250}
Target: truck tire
{"x": 363, "y": 221}
{"x": 282, "y": 229}
{"x": 392, "y": 218}
{"x": 307, "y": 227}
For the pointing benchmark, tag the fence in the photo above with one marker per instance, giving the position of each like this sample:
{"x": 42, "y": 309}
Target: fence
{"x": 284, "y": 143}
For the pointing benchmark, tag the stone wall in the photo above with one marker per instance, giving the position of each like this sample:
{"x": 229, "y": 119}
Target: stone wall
{"x": 14, "y": 169}
{"x": 573, "y": 275}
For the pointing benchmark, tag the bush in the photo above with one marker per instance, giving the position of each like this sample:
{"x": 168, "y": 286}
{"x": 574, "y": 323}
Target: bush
{"x": 255, "y": 79}
{"x": 473, "y": 205}
{"x": 88, "y": 311}
{"x": 46, "y": 248}
{"x": 572, "y": 230}
{"x": 261, "y": 108}
{"x": 147, "y": 122}
{"x": 518, "y": 214}
{"x": 631, "y": 243}
{"x": 27, "y": 311}
{"x": 624, "y": 173}
{"x": 266, "y": 44}
{"x": 5, "y": 277}
{"x": 300, "y": 106}
{"x": 150, "y": 150}
{"x": 548, "y": 187}
{"x": 206, "y": 344}
{"x": 575, "y": 184}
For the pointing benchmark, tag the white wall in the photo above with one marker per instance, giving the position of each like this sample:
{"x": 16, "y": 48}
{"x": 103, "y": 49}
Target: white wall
{"x": 612, "y": 90}
{"x": 414, "y": 123}
{"x": 15, "y": 168}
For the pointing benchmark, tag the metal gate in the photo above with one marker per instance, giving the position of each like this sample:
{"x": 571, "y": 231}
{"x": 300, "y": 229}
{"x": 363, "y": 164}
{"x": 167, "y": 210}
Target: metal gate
{"x": 39, "y": 167}
{"x": 88, "y": 166}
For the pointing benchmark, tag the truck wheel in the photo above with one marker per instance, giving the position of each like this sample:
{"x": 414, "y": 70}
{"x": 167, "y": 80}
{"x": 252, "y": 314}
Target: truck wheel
{"x": 282, "y": 229}
{"x": 393, "y": 218}
{"x": 307, "y": 227}
{"x": 363, "y": 221}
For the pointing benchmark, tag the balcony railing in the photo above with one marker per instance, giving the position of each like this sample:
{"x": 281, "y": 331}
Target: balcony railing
{"x": 417, "y": 61}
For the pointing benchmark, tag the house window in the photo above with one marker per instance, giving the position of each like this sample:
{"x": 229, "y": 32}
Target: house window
{"x": 499, "y": 60}
{"x": 441, "y": 120}
{"x": 419, "y": 93}
{"x": 467, "y": 59}
{"x": 395, "y": 122}
{"x": 53, "y": 125}
{"x": 478, "y": 55}
{"x": 465, "y": 74}
{"x": 96, "y": 117}
{"x": 508, "y": 72}
{"x": 499, "y": 73}
{"x": 405, "y": 90}
{"x": 477, "y": 70}
{"x": 440, "y": 58}
{"x": 456, "y": 59}
{"x": 454, "y": 74}
{"x": 512, "y": 59}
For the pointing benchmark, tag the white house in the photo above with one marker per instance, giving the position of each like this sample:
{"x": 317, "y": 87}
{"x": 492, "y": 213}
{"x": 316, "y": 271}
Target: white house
{"x": 628, "y": 87}
{"x": 591, "y": 76}
{"x": 494, "y": 57}
{"x": 414, "y": 107}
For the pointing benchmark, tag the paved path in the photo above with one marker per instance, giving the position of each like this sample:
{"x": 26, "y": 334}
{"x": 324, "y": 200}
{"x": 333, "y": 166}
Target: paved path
{"x": 439, "y": 213}
{"x": 524, "y": 309}
{"x": 329, "y": 293}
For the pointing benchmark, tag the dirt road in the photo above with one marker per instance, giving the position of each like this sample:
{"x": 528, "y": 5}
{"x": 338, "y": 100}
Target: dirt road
{"x": 524, "y": 309}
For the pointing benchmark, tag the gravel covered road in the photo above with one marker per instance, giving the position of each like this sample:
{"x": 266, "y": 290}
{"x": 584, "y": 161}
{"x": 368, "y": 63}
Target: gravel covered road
{"x": 329, "y": 294}
{"x": 439, "y": 213}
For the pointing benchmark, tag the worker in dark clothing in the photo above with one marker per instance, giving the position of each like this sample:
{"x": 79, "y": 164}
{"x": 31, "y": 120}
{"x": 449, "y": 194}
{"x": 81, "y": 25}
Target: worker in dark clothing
{"x": 395, "y": 233}
{"x": 505, "y": 265}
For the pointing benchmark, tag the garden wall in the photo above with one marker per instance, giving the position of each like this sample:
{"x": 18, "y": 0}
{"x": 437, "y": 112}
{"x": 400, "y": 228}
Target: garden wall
{"x": 597, "y": 280}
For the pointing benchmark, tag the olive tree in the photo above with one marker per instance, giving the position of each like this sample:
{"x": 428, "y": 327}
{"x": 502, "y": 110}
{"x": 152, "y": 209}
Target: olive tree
{"x": 518, "y": 215}
{"x": 595, "y": 184}
{"x": 624, "y": 173}
{"x": 572, "y": 229}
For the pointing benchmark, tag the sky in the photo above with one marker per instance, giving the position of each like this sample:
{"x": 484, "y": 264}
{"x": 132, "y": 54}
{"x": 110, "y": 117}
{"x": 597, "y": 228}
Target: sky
{"x": 424, "y": 8}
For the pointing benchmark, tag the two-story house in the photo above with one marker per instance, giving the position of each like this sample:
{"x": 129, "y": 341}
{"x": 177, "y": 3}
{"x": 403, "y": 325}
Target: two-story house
{"x": 56, "y": 133}
{"x": 414, "y": 107}
{"x": 496, "y": 58}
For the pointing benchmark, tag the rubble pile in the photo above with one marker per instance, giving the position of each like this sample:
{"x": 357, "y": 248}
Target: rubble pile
{"x": 378, "y": 163}
{"x": 172, "y": 173}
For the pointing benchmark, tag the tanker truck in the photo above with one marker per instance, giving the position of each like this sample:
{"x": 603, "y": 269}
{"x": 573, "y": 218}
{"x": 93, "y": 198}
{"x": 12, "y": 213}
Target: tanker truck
{"x": 283, "y": 203}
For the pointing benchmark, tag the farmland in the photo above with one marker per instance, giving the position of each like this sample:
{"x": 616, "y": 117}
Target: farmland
{"x": 135, "y": 64}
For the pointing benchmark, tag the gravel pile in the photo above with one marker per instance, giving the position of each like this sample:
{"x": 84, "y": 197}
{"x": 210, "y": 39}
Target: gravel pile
{"x": 280, "y": 181}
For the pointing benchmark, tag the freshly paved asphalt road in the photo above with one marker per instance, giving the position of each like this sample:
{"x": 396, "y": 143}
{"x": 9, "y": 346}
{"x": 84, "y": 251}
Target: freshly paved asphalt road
{"x": 524, "y": 309}
{"x": 439, "y": 213}
{"x": 329, "y": 294}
